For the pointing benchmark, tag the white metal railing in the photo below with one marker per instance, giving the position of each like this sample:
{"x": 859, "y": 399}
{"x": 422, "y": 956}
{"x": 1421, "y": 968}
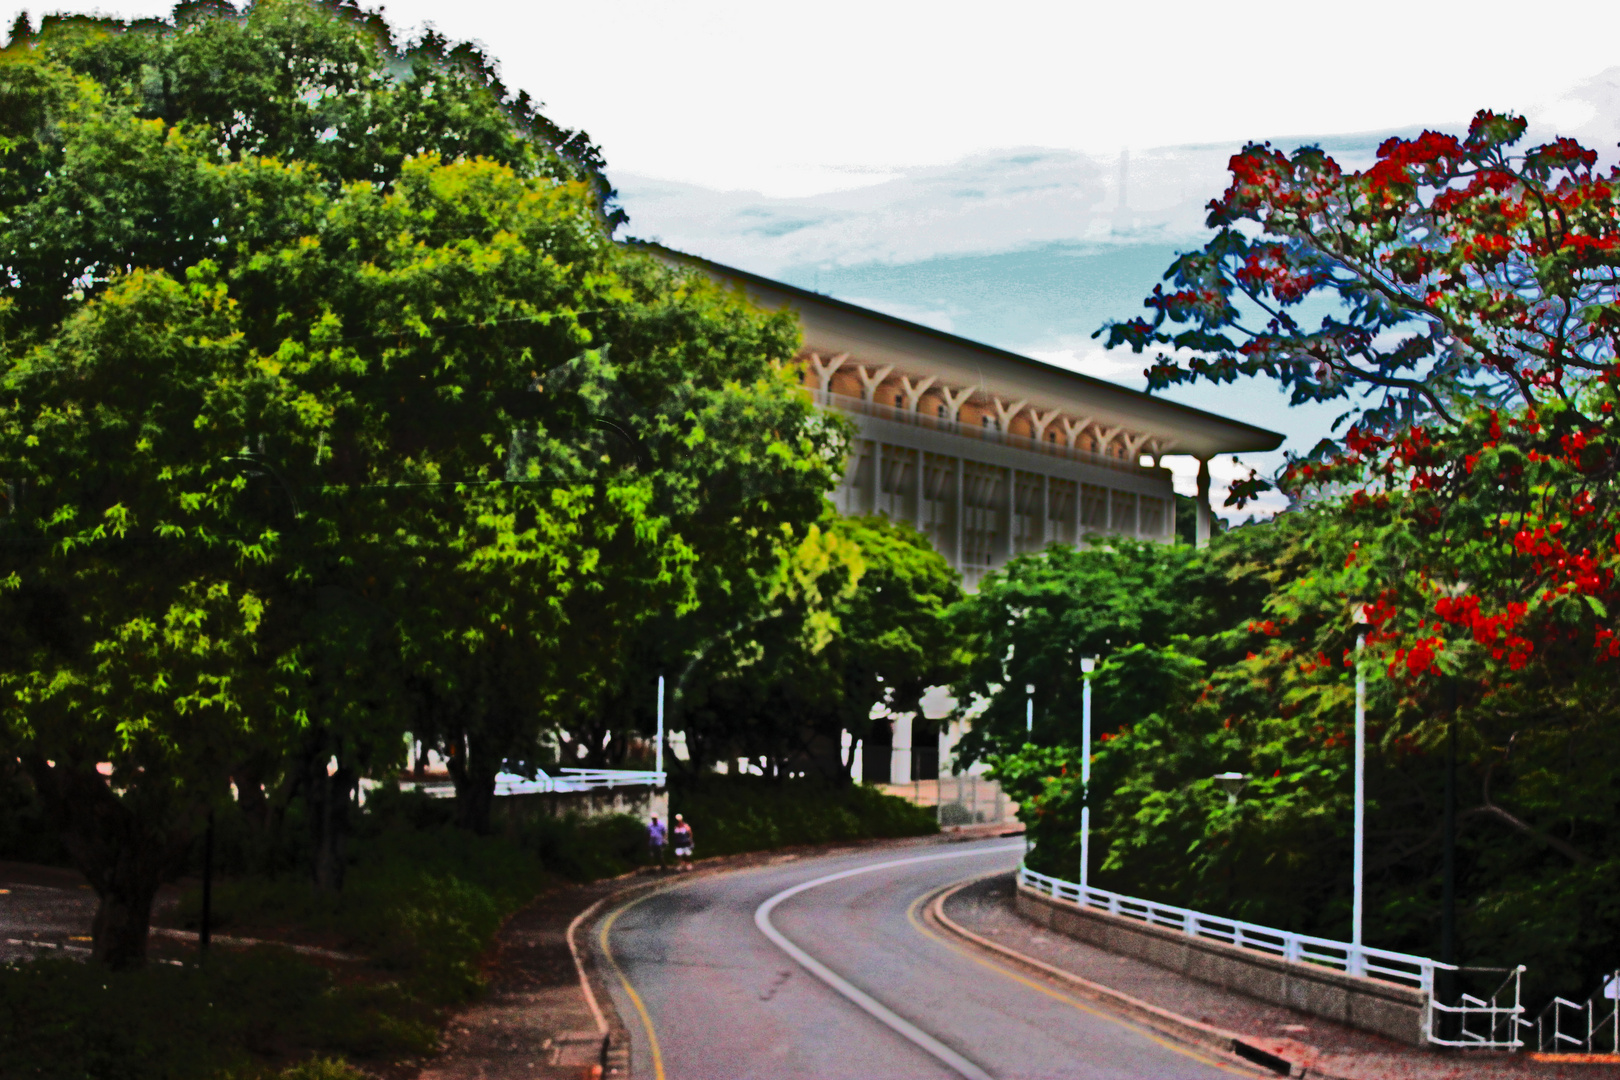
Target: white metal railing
{"x": 1476, "y": 1023}
{"x": 862, "y": 407}
{"x": 546, "y": 784}
{"x": 1397, "y": 967}
{"x": 1582, "y": 1027}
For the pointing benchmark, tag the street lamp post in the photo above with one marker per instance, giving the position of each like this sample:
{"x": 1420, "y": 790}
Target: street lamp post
{"x": 1358, "y": 869}
{"x": 658, "y": 752}
{"x": 1088, "y": 664}
{"x": 1029, "y": 708}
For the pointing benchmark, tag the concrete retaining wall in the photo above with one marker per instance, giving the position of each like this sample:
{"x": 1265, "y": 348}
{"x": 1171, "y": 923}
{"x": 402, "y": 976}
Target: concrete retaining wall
{"x": 1369, "y": 1004}
{"x": 637, "y": 801}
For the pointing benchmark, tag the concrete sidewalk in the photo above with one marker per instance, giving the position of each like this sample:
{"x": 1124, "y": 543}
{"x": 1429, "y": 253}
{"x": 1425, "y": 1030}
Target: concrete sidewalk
{"x": 1315, "y": 1047}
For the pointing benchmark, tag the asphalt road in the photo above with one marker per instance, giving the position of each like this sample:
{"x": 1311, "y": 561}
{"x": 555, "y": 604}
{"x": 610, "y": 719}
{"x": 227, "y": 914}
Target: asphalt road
{"x": 823, "y": 968}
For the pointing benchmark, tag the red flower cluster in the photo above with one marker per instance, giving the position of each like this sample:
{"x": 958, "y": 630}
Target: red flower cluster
{"x": 1495, "y": 632}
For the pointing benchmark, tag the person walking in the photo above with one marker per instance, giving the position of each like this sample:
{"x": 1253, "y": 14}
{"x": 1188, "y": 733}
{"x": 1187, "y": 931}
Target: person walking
{"x": 683, "y": 843}
{"x": 655, "y": 842}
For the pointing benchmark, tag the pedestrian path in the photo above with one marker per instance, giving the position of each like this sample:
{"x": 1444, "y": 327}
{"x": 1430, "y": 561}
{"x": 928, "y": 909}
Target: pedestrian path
{"x": 1314, "y": 1046}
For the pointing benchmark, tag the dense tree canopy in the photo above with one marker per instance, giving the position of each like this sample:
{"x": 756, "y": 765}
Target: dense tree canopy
{"x": 860, "y": 628}
{"x": 332, "y": 411}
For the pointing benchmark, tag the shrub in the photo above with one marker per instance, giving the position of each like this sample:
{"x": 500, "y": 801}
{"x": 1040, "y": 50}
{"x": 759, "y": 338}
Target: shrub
{"x": 236, "y": 1014}
{"x": 731, "y": 814}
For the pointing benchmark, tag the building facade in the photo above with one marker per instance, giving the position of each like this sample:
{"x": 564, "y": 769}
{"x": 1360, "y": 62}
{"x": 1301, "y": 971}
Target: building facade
{"x": 990, "y": 454}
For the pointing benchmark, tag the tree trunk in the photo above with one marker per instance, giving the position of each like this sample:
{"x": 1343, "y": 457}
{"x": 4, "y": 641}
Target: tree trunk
{"x": 125, "y": 846}
{"x": 249, "y": 778}
{"x": 473, "y": 773}
{"x": 327, "y": 792}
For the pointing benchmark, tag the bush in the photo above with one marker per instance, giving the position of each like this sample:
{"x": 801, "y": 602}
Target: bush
{"x": 420, "y": 904}
{"x": 236, "y": 1014}
{"x": 731, "y": 814}
{"x": 587, "y": 849}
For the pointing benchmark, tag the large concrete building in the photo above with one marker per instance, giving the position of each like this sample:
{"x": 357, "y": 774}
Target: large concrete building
{"x": 989, "y": 453}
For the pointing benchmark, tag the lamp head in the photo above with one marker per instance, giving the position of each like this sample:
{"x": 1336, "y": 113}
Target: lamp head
{"x": 1029, "y": 688}
{"x": 1361, "y": 615}
{"x": 1088, "y": 664}
{"x": 1231, "y": 782}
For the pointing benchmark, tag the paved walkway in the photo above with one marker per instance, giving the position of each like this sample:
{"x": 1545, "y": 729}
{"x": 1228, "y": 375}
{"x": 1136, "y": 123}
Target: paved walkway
{"x": 1319, "y": 1047}
{"x": 534, "y": 1023}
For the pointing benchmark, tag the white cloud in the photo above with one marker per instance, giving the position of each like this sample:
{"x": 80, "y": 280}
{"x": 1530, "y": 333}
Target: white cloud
{"x": 1000, "y": 200}
{"x": 1119, "y": 366}
{"x": 735, "y": 93}
{"x": 925, "y": 316}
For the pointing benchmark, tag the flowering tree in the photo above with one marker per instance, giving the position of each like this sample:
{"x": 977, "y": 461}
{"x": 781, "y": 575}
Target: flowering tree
{"x": 1471, "y": 306}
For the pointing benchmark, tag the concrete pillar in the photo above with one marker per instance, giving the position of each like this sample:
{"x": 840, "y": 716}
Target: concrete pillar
{"x": 1079, "y": 493}
{"x": 1012, "y": 513}
{"x": 960, "y": 512}
{"x": 1201, "y": 535}
{"x": 877, "y": 476}
{"x": 900, "y": 762}
{"x": 1046, "y": 509}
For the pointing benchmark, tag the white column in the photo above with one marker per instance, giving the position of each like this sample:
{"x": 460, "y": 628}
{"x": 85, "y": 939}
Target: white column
{"x": 1046, "y": 509}
{"x": 1201, "y": 533}
{"x": 918, "y": 486}
{"x": 1079, "y": 493}
{"x": 877, "y": 475}
{"x": 954, "y": 399}
{"x": 914, "y": 391}
{"x": 824, "y": 371}
{"x": 1012, "y": 512}
{"x": 960, "y": 512}
{"x": 900, "y": 759}
{"x": 869, "y": 381}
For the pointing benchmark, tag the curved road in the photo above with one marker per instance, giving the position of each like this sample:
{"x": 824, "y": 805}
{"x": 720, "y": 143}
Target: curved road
{"x": 822, "y": 968}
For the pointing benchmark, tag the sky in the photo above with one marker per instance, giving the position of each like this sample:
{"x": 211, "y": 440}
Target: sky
{"x": 1017, "y": 173}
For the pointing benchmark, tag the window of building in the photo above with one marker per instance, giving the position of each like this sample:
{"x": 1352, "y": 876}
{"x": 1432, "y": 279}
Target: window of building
{"x": 899, "y": 401}
{"x": 941, "y": 411}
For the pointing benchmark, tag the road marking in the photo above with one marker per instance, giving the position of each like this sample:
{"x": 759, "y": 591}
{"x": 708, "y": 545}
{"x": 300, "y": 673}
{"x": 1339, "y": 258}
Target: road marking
{"x": 911, "y": 917}
{"x": 880, "y": 1012}
{"x": 635, "y": 998}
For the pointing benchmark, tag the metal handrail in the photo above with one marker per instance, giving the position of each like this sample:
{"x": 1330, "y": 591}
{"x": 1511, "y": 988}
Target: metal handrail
{"x": 545, "y": 784}
{"x": 1593, "y": 1033}
{"x": 1391, "y": 966}
{"x": 1397, "y": 967}
{"x": 862, "y": 407}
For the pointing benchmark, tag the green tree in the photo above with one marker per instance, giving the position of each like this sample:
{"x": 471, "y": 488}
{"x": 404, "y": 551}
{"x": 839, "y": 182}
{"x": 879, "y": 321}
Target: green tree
{"x": 1034, "y": 620}
{"x": 296, "y": 443}
{"x": 817, "y": 661}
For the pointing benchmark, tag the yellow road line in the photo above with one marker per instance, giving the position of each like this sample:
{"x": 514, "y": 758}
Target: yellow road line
{"x": 1185, "y": 1051}
{"x": 635, "y": 998}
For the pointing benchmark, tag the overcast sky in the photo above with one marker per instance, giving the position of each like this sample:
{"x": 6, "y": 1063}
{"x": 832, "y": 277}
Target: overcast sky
{"x": 1014, "y": 172}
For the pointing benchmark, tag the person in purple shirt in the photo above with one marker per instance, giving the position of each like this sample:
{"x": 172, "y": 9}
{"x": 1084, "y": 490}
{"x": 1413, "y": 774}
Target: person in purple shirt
{"x": 655, "y": 841}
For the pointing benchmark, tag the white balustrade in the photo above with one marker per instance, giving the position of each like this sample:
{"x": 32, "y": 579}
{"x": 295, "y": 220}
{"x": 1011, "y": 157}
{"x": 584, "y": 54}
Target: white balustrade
{"x": 1500, "y": 1021}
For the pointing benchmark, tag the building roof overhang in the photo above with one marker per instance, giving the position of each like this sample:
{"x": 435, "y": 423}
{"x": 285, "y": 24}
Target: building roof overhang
{"x": 835, "y": 326}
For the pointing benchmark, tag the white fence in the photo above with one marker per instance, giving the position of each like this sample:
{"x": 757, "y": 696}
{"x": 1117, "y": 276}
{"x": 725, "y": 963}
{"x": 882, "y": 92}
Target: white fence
{"x": 1582, "y": 1027}
{"x": 1500, "y": 1023}
{"x": 568, "y": 780}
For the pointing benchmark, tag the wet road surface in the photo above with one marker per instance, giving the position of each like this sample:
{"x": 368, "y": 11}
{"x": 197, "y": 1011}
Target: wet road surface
{"x": 855, "y": 985}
